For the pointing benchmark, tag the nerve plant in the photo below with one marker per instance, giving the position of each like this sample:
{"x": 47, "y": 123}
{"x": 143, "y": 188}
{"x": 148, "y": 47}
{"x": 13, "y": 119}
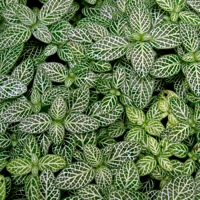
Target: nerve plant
{"x": 99, "y": 99}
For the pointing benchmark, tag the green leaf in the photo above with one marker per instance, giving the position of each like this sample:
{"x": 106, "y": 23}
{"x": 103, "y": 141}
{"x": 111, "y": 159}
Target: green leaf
{"x": 166, "y": 66}
{"x": 74, "y": 176}
{"x": 10, "y": 87}
{"x": 192, "y": 73}
{"x": 8, "y": 58}
{"x": 48, "y": 189}
{"x": 58, "y": 108}
{"x": 19, "y": 166}
{"x": 36, "y": 123}
{"x": 14, "y": 35}
{"x": 24, "y": 72}
{"x": 165, "y": 36}
{"x": 103, "y": 177}
{"x": 119, "y": 77}
{"x": 154, "y": 127}
{"x": 116, "y": 129}
{"x": 179, "y": 132}
{"x": 182, "y": 187}
{"x": 127, "y": 178}
{"x": 165, "y": 163}
{"x": 153, "y": 145}
{"x": 142, "y": 58}
{"x": 108, "y": 48}
{"x": 57, "y": 133}
{"x": 146, "y": 165}
{"x": 32, "y": 187}
{"x": 25, "y": 15}
{"x": 31, "y": 147}
{"x": 179, "y": 150}
{"x": 92, "y": 155}
{"x": 2, "y": 188}
{"x": 190, "y": 18}
{"x": 79, "y": 35}
{"x": 53, "y": 10}
{"x": 140, "y": 20}
{"x": 179, "y": 109}
{"x": 189, "y": 167}
{"x": 52, "y": 162}
{"x": 167, "y": 5}
{"x": 80, "y": 123}
{"x": 108, "y": 103}
{"x": 194, "y": 4}
{"x": 135, "y": 115}
{"x": 16, "y": 112}
{"x": 189, "y": 37}
{"x": 121, "y": 152}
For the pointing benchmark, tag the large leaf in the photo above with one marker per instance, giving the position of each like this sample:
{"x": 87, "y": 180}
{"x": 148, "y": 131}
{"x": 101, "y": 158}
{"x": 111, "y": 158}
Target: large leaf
{"x": 74, "y": 176}
{"x": 10, "y": 87}
{"x": 53, "y": 10}
{"x": 52, "y": 162}
{"x": 80, "y": 123}
{"x": 36, "y": 123}
{"x": 14, "y": 35}
{"x": 48, "y": 189}
{"x": 166, "y": 66}
{"x": 19, "y": 166}
{"x": 127, "y": 178}
{"x": 142, "y": 58}
{"x": 165, "y": 36}
{"x": 108, "y": 48}
{"x": 182, "y": 187}
{"x": 190, "y": 18}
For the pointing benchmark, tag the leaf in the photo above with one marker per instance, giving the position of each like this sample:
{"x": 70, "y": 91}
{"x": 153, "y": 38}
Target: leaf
{"x": 142, "y": 58}
{"x": 10, "y": 87}
{"x": 119, "y": 77}
{"x": 19, "y": 166}
{"x": 179, "y": 132}
{"x": 127, "y": 178}
{"x": 80, "y": 123}
{"x": 42, "y": 33}
{"x": 36, "y": 123}
{"x": 79, "y": 35}
{"x": 53, "y": 10}
{"x": 140, "y": 20}
{"x": 25, "y": 15}
{"x": 167, "y": 5}
{"x": 14, "y": 35}
{"x": 97, "y": 31}
{"x": 182, "y": 187}
{"x": 189, "y": 37}
{"x": 24, "y": 72}
{"x": 93, "y": 155}
{"x": 32, "y": 187}
{"x": 153, "y": 145}
{"x": 16, "y": 112}
{"x": 189, "y": 18}
{"x": 154, "y": 127}
{"x": 179, "y": 150}
{"x": 31, "y": 147}
{"x": 179, "y": 109}
{"x": 2, "y": 188}
{"x": 8, "y": 58}
{"x": 116, "y": 129}
{"x": 47, "y": 186}
{"x": 74, "y": 176}
{"x": 57, "y": 133}
{"x": 192, "y": 73}
{"x": 189, "y": 167}
{"x": 165, "y": 36}
{"x": 58, "y": 108}
{"x": 108, "y": 48}
{"x": 166, "y": 66}
{"x": 135, "y": 115}
{"x": 108, "y": 103}
{"x": 194, "y": 4}
{"x": 121, "y": 152}
{"x": 165, "y": 163}
{"x": 146, "y": 165}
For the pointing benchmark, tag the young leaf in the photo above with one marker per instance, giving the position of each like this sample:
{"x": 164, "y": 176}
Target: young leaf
{"x": 153, "y": 145}
{"x": 57, "y": 133}
{"x": 165, "y": 163}
{"x": 154, "y": 127}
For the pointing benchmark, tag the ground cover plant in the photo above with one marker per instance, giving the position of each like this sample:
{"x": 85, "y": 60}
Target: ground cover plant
{"x": 99, "y": 100}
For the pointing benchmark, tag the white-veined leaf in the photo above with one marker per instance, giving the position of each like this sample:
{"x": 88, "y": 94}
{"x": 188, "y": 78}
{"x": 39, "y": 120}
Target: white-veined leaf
{"x": 153, "y": 145}
{"x": 165, "y": 36}
{"x": 167, "y": 5}
{"x": 52, "y": 162}
{"x": 190, "y": 18}
{"x": 75, "y": 176}
{"x": 53, "y": 10}
{"x": 19, "y": 166}
{"x": 165, "y": 163}
{"x": 56, "y": 133}
{"x": 108, "y": 103}
{"x": 179, "y": 150}
{"x": 189, "y": 167}
{"x": 108, "y": 48}
{"x": 36, "y": 123}
{"x": 154, "y": 127}
{"x": 195, "y": 4}
{"x": 2, "y": 188}
{"x": 166, "y": 66}
{"x": 10, "y": 87}
{"x": 79, "y": 35}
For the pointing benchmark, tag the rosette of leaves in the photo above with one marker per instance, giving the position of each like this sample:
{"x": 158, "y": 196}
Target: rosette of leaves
{"x": 137, "y": 40}
{"x": 36, "y": 185}
{"x": 24, "y": 22}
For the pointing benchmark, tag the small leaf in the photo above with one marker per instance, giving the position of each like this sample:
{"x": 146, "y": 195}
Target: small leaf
{"x": 154, "y": 127}
{"x": 165, "y": 163}
{"x": 190, "y": 18}
{"x": 2, "y": 188}
{"x": 153, "y": 145}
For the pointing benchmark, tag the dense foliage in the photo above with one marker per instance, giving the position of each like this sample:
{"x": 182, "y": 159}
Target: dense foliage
{"x": 100, "y": 100}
